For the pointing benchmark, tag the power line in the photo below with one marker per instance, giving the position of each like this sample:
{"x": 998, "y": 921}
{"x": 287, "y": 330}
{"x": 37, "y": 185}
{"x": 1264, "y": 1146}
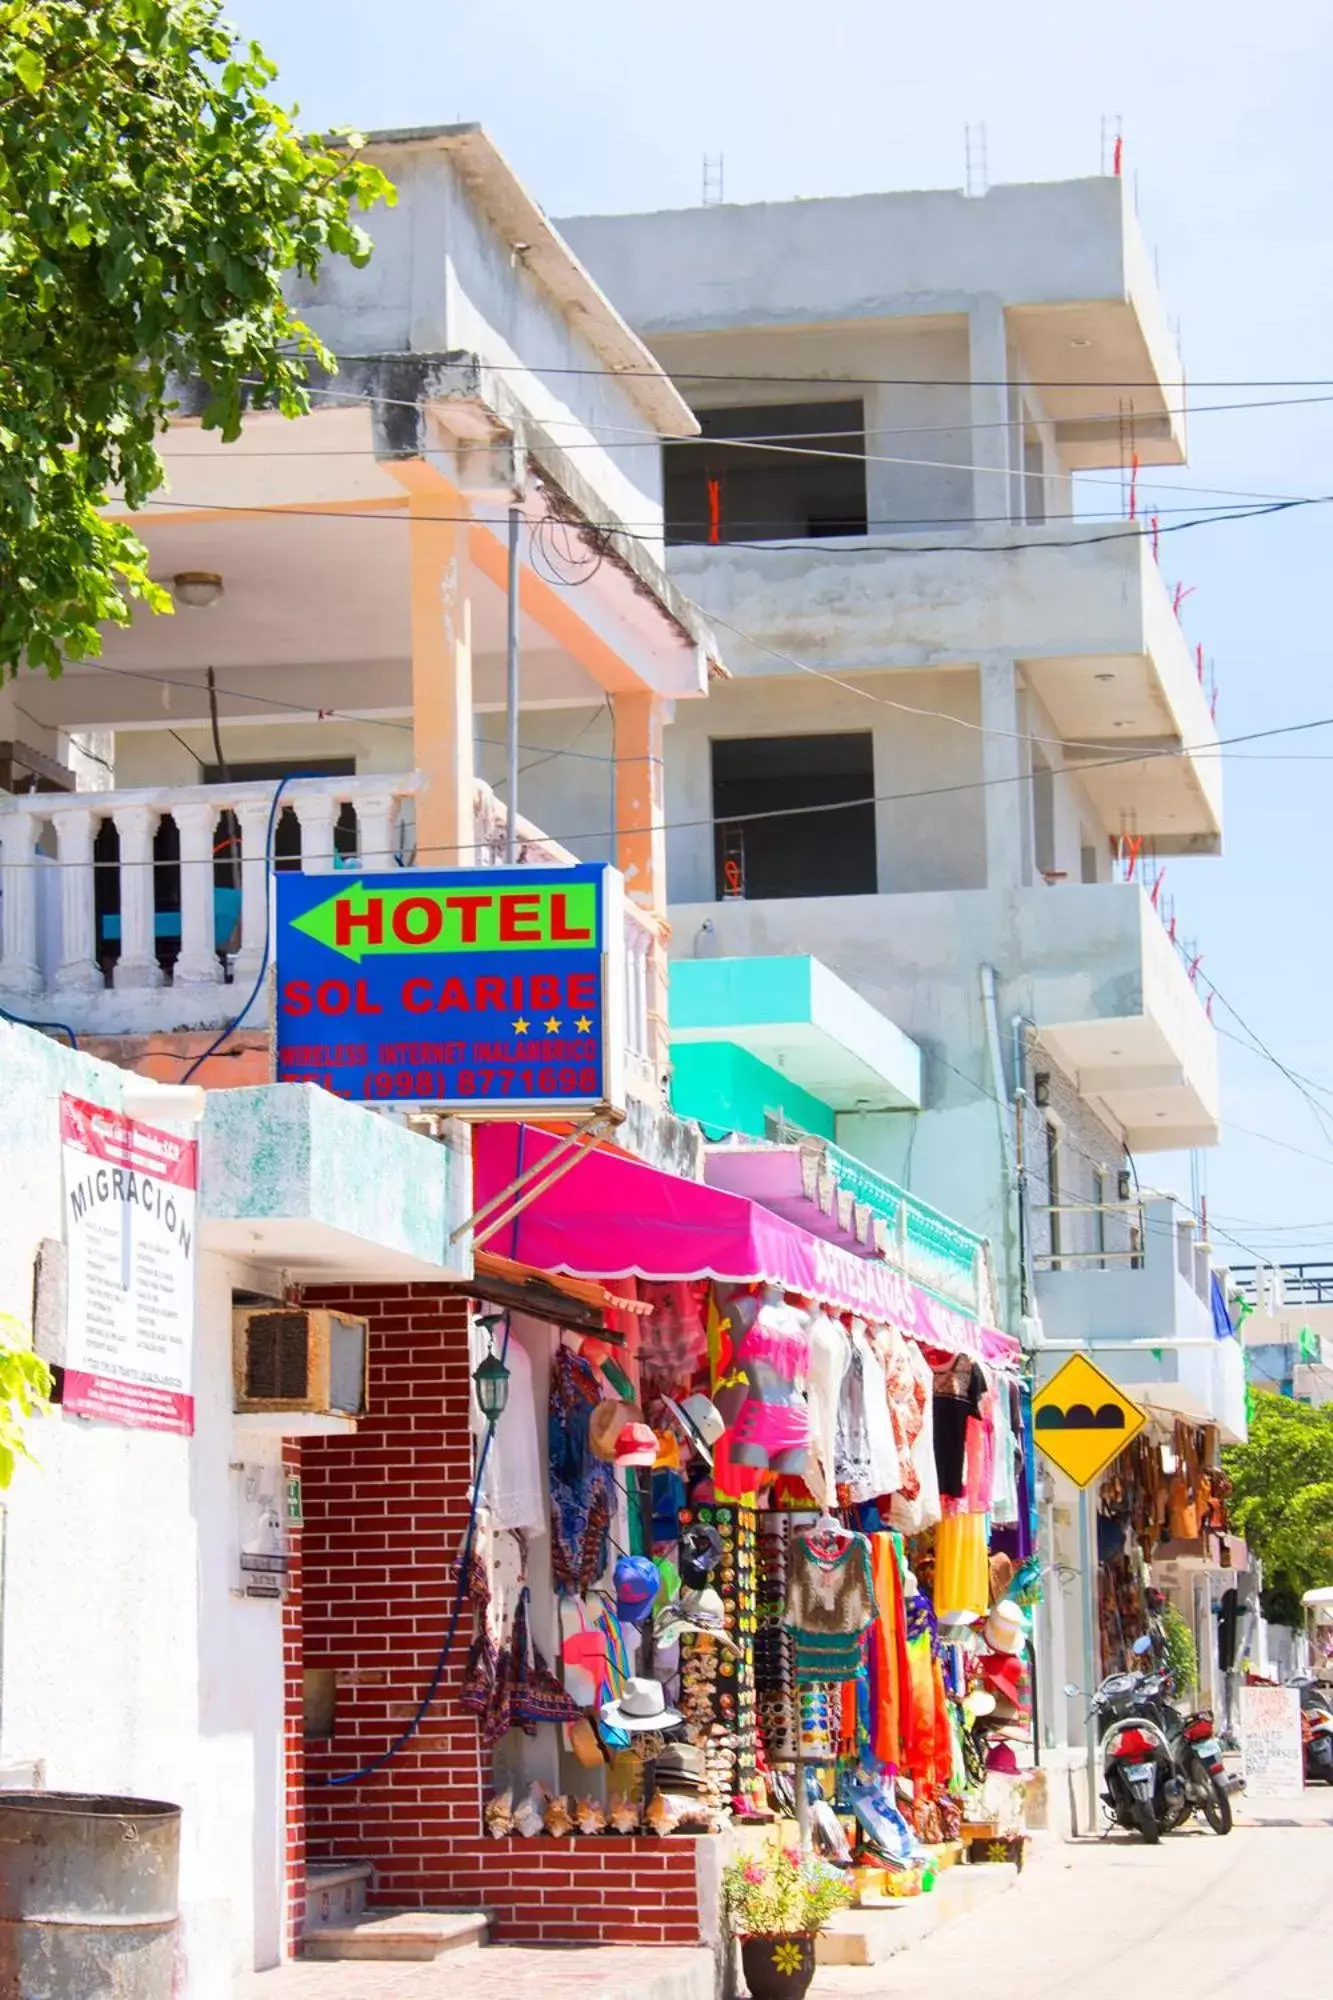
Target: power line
{"x": 394, "y": 513}
{"x": 806, "y": 811}
{"x": 657, "y": 374}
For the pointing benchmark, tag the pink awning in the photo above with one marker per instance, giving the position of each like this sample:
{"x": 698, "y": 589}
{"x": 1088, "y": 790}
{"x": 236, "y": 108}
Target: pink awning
{"x": 613, "y": 1217}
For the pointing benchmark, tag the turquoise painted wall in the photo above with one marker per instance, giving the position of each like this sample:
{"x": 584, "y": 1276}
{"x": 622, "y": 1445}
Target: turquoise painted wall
{"x": 729, "y": 1090}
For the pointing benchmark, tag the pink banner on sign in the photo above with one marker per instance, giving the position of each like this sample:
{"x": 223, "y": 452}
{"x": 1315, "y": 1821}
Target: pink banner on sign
{"x": 132, "y": 1403}
{"x": 614, "y": 1217}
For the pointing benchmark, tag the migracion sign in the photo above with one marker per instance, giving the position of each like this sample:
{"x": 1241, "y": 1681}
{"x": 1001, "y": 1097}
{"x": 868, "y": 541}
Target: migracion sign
{"x": 480, "y": 990}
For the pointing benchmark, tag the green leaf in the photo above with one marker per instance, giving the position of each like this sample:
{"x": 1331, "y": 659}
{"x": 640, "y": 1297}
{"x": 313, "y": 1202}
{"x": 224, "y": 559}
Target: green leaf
{"x": 149, "y": 207}
{"x": 30, "y": 70}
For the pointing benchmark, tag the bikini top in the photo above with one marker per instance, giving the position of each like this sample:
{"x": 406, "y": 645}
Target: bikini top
{"x": 780, "y": 1336}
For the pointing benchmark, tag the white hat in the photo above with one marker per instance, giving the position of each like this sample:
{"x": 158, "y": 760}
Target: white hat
{"x": 697, "y": 1611}
{"x": 641, "y": 1705}
{"x": 701, "y": 1421}
{"x": 1006, "y": 1628}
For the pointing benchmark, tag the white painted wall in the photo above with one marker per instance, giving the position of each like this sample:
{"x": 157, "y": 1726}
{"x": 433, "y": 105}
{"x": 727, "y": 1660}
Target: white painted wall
{"x": 922, "y": 843}
{"x": 857, "y": 256}
{"x": 443, "y": 278}
{"x": 127, "y": 1665}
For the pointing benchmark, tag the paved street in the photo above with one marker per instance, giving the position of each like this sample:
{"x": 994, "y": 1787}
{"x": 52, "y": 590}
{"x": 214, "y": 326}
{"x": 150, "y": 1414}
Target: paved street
{"x": 1207, "y": 1919}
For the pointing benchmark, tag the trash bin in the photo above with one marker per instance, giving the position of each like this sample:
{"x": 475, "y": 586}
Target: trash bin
{"x": 88, "y": 1904}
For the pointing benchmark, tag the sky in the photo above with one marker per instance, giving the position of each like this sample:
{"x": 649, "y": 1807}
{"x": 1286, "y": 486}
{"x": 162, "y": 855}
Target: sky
{"x": 1224, "y": 110}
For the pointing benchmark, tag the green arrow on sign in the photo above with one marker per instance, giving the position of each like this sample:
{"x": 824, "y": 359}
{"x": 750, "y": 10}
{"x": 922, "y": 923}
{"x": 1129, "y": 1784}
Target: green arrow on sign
{"x": 358, "y": 922}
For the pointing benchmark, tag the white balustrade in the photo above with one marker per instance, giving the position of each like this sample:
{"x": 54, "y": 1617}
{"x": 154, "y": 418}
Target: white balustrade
{"x": 196, "y": 824}
{"x": 135, "y": 826}
{"x": 19, "y": 970}
{"x": 78, "y": 971}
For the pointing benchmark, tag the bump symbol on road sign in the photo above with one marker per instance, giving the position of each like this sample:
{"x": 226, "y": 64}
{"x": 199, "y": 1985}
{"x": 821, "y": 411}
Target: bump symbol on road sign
{"x": 1081, "y": 1420}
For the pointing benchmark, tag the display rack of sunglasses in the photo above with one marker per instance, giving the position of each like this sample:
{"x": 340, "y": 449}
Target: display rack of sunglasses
{"x": 718, "y": 1687}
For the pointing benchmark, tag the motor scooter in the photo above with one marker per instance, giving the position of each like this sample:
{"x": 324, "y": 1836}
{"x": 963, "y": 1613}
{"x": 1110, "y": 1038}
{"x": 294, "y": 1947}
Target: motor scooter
{"x": 1158, "y": 1766}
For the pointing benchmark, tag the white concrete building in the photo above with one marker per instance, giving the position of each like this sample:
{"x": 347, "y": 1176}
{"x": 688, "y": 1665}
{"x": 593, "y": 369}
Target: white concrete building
{"x": 895, "y": 392}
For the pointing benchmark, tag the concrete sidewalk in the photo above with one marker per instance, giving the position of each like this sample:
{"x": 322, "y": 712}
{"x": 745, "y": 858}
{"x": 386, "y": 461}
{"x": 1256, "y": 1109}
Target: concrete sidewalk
{"x": 499, "y": 1972}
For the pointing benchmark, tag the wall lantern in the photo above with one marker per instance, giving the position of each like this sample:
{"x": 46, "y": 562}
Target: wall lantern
{"x": 490, "y": 1377}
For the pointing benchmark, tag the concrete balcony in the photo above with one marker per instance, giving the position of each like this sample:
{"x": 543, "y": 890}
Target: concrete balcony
{"x": 1141, "y": 1306}
{"x": 146, "y": 912}
{"x": 1090, "y": 625}
{"x": 1089, "y": 963}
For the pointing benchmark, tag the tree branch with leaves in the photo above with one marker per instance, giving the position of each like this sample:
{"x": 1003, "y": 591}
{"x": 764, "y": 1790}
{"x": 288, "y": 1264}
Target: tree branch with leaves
{"x": 1282, "y": 1497}
{"x": 152, "y": 199}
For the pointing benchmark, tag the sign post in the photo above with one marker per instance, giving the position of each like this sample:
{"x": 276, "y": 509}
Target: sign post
{"x": 1082, "y": 1421}
{"x": 129, "y": 1227}
{"x": 485, "y": 992}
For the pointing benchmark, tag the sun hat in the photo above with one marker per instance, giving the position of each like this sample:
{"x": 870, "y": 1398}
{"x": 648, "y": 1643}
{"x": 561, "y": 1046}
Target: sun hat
{"x": 606, "y": 1423}
{"x": 697, "y": 1611}
{"x": 637, "y": 1584}
{"x": 1006, "y": 1628}
{"x": 585, "y": 1744}
{"x": 700, "y": 1553}
{"x": 1001, "y": 1757}
{"x": 636, "y": 1444}
{"x": 641, "y": 1705}
{"x": 1004, "y": 1674}
{"x": 701, "y": 1420}
{"x": 978, "y": 1702}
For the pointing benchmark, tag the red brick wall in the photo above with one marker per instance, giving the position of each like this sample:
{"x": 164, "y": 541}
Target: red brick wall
{"x": 385, "y": 1514}
{"x": 293, "y": 1730}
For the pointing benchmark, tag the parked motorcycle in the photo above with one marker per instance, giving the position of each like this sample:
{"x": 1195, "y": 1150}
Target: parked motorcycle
{"x": 1316, "y": 1732}
{"x": 1158, "y": 1766}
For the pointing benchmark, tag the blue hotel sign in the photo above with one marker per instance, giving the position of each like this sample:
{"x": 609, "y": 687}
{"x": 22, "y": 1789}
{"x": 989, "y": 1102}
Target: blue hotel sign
{"x": 482, "y": 991}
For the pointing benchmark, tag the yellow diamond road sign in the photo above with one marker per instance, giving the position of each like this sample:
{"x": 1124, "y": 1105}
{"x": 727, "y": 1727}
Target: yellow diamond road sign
{"x": 1082, "y": 1421}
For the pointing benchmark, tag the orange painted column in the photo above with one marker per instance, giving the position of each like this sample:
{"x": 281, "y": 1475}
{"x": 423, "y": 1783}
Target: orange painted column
{"x": 639, "y": 719}
{"x": 441, "y": 605}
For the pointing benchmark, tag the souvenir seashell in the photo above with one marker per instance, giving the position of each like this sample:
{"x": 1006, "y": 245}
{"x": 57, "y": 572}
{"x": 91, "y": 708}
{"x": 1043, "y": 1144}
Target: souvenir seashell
{"x": 589, "y": 1816}
{"x": 557, "y": 1818}
{"x": 624, "y": 1816}
{"x": 499, "y": 1815}
{"x": 658, "y": 1816}
{"x": 528, "y": 1817}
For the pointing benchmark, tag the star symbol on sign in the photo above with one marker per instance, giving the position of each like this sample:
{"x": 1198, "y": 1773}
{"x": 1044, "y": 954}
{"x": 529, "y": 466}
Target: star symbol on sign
{"x": 521, "y": 1025}
{"x": 553, "y": 1025}
{"x": 583, "y": 1026}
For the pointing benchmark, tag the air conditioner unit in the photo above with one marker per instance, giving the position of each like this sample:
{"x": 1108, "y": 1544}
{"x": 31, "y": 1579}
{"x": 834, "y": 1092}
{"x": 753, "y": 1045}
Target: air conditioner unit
{"x": 299, "y": 1358}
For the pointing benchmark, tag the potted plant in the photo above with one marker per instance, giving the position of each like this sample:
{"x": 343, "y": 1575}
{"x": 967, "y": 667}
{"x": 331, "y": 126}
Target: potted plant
{"x": 776, "y": 1905}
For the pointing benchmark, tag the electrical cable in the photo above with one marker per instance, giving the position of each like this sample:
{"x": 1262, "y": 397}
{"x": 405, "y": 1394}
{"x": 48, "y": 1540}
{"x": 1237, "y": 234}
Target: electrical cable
{"x": 226, "y": 1033}
{"x": 658, "y": 374}
{"x": 1141, "y": 756}
{"x": 410, "y": 1729}
{"x": 637, "y": 435}
{"x": 17, "y": 1021}
{"x": 392, "y": 512}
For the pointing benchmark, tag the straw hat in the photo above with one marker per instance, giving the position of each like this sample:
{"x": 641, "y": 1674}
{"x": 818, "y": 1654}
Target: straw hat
{"x": 606, "y": 1423}
{"x": 1006, "y": 1628}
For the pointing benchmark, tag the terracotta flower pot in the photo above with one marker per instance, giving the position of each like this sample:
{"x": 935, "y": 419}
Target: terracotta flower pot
{"x": 778, "y": 1968}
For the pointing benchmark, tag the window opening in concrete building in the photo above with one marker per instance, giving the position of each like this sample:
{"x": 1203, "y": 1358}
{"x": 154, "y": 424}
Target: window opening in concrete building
{"x": 767, "y": 843}
{"x": 1043, "y": 816}
{"x": 720, "y": 492}
{"x": 1034, "y": 479}
{"x": 1053, "y": 1188}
